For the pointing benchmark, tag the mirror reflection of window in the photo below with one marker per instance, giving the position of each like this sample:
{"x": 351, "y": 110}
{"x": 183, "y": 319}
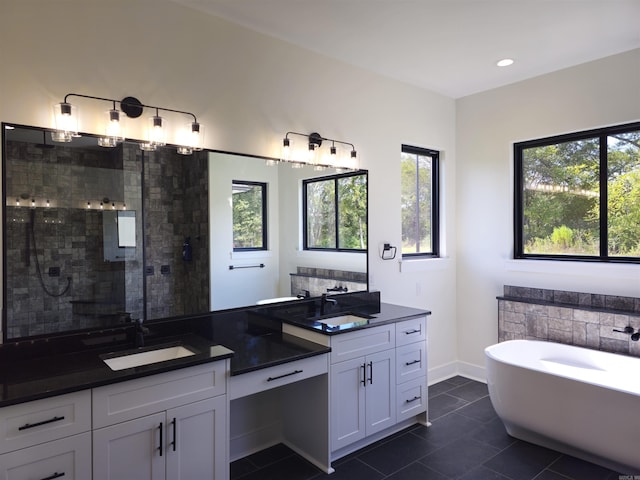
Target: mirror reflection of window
{"x": 249, "y": 205}
{"x": 335, "y": 213}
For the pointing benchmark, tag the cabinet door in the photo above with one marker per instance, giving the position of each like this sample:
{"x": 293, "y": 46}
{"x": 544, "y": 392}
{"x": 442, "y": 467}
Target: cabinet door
{"x": 195, "y": 441}
{"x": 68, "y": 458}
{"x": 131, "y": 450}
{"x": 380, "y": 391}
{"x": 347, "y": 410}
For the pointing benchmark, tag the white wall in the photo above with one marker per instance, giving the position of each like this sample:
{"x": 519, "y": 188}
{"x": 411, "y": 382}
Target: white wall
{"x": 248, "y": 90}
{"x": 600, "y": 93}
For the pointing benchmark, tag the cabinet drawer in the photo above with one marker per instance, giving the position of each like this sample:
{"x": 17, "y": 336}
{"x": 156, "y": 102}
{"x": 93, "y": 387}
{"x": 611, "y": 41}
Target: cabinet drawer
{"x": 276, "y": 376}
{"x": 410, "y": 362}
{"x": 347, "y": 346}
{"x": 68, "y": 459}
{"x": 143, "y": 396}
{"x": 27, "y": 424}
{"x": 409, "y": 331}
{"x": 411, "y": 398}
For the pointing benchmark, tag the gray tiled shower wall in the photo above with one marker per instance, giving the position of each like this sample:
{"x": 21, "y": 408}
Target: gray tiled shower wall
{"x": 176, "y": 208}
{"x": 574, "y": 318}
{"x": 69, "y": 236}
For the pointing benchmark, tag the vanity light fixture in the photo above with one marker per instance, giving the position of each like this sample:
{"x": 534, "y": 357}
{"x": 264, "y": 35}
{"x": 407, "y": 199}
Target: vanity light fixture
{"x": 114, "y": 131}
{"x": 314, "y": 156}
{"x": 191, "y": 138}
{"x": 156, "y": 134}
{"x": 66, "y": 119}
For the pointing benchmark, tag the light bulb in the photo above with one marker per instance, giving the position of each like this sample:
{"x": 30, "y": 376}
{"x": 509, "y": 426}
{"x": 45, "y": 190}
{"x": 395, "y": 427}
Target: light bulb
{"x": 156, "y": 134}
{"x": 66, "y": 120}
{"x": 114, "y": 131}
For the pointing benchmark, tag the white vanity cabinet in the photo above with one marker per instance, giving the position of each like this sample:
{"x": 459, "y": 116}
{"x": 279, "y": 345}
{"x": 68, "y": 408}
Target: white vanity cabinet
{"x": 362, "y": 383}
{"x": 411, "y": 368}
{"x": 166, "y": 426}
{"x": 378, "y": 379}
{"x": 47, "y": 439}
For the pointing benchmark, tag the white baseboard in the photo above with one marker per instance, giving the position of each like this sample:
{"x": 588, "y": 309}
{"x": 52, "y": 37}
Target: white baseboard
{"x": 443, "y": 372}
{"x": 254, "y": 441}
{"x": 473, "y": 372}
{"x": 449, "y": 370}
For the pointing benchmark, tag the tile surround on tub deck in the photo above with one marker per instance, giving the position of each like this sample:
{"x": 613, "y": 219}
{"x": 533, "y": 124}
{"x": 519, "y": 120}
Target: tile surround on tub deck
{"x": 574, "y": 318}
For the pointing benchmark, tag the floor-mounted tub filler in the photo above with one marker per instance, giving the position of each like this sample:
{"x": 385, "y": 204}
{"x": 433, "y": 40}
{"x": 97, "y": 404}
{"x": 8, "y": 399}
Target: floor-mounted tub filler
{"x": 578, "y": 401}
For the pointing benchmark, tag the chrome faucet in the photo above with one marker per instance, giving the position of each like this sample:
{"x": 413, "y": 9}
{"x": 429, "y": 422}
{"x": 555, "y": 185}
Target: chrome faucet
{"x": 323, "y": 302}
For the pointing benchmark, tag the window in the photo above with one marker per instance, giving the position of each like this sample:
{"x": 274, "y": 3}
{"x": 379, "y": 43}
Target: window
{"x": 577, "y": 196}
{"x": 335, "y": 212}
{"x": 249, "y": 204}
{"x": 419, "y": 202}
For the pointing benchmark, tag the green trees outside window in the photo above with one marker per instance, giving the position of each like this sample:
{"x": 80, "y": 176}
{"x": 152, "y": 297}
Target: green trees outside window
{"x": 335, "y": 212}
{"x": 419, "y": 201}
{"x": 578, "y": 195}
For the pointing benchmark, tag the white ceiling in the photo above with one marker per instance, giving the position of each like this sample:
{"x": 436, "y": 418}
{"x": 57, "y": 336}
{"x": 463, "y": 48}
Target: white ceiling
{"x": 447, "y": 46}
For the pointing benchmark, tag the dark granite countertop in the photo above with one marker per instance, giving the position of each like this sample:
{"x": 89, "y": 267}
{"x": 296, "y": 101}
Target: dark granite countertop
{"x": 32, "y": 372}
{"x": 251, "y": 337}
{"x": 37, "y": 369}
{"x": 365, "y": 317}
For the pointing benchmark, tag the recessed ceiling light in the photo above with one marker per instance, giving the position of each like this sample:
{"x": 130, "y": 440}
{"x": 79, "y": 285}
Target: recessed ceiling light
{"x": 505, "y": 62}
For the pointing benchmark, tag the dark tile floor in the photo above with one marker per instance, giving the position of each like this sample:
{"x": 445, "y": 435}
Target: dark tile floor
{"x": 466, "y": 441}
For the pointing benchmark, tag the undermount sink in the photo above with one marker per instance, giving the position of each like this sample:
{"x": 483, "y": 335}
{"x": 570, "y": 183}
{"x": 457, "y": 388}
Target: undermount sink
{"x": 162, "y": 354}
{"x": 345, "y": 319}
{"x": 267, "y": 301}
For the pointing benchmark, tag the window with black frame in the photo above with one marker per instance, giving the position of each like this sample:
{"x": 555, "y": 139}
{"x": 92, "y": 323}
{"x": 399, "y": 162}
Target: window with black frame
{"x": 335, "y": 212}
{"x": 249, "y": 206}
{"x": 419, "y": 201}
{"x": 577, "y": 196}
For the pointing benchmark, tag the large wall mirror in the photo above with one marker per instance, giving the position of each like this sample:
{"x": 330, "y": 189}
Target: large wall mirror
{"x": 94, "y": 236}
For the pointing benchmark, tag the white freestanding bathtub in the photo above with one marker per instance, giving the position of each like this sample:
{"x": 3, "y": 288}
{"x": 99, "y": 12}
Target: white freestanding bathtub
{"x": 578, "y": 401}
